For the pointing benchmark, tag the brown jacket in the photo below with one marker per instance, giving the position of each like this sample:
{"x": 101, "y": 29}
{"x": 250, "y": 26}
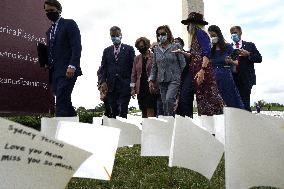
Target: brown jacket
{"x": 137, "y": 70}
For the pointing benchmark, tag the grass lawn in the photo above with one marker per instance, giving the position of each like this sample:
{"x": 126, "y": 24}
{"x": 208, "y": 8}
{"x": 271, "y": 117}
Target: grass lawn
{"x": 134, "y": 172}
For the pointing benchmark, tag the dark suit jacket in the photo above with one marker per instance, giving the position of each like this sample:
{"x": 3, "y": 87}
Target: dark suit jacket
{"x": 66, "y": 48}
{"x": 247, "y": 73}
{"x": 120, "y": 71}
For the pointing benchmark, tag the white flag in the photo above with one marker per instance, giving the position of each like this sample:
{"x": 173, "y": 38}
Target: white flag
{"x": 30, "y": 160}
{"x": 170, "y": 119}
{"x": 156, "y": 137}
{"x": 130, "y": 134}
{"x": 254, "y": 150}
{"x": 101, "y": 141}
{"x": 194, "y": 148}
{"x": 49, "y": 125}
{"x": 207, "y": 122}
{"x": 133, "y": 119}
{"x": 219, "y": 127}
{"x": 97, "y": 120}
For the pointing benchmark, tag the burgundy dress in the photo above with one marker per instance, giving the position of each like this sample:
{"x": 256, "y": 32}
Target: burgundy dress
{"x": 209, "y": 101}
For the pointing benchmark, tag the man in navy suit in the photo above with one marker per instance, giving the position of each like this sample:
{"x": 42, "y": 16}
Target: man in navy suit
{"x": 244, "y": 73}
{"x": 115, "y": 74}
{"x": 64, "y": 53}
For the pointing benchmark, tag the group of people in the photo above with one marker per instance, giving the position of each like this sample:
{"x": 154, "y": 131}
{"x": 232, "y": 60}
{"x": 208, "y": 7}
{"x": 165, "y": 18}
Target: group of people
{"x": 219, "y": 73}
{"x": 164, "y": 76}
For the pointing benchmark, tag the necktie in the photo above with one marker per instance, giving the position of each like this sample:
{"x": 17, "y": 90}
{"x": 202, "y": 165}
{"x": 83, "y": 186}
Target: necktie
{"x": 116, "y": 53}
{"x": 238, "y": 66}
{"x": 52, "y": 33}
{"x": 237, "y": 45}
{"x": 51, "y": 43}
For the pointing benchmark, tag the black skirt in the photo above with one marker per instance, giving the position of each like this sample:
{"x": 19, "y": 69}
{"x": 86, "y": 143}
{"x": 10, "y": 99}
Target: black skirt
{"x": 145, "y": 98}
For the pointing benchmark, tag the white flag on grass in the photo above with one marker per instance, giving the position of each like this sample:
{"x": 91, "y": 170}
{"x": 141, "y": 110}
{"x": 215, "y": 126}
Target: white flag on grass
{"x": 254, "y": 150}
{"x": 196, "y": 120}
{"x": 101, "y": 141}
{"x": 214, "y": 124}
{"x": 130, "y": 134}
{"x": 277, "y": 121}
{"x": 219, "y": 127}
{"x": 207, "y": 122}
{"x": 156, "y": 137}
{"x": 105, "y": 120}
{"x": 170, "y": 119}
{"x": 30, "y": 160}
{"x": 97, "y": 120}
{"x": 194, "y": 148}
{"x": 133, "y": 119}
{"x": 49, "y": 125}
{"x": 137, "y": 122}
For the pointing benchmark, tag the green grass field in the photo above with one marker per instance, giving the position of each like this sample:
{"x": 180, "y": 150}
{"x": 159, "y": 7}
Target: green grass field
{"x": 134, "y": 172}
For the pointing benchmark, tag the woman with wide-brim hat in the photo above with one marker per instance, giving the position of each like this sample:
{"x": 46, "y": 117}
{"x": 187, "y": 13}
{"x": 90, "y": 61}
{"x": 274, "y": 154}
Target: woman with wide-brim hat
{"x": 209, "y": 101}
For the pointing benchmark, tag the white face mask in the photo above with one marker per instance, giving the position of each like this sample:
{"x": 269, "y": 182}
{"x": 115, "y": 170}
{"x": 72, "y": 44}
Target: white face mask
{"x": 214, "y": 40}
{"x": 163, "y": 38}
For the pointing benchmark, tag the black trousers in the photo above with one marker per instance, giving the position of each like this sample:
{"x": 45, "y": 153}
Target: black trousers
{"x": 118, "y": 100}
{"x": 186, "y": 96}
{"x": 244, "y": 90}
{"x": 63, "y": 88}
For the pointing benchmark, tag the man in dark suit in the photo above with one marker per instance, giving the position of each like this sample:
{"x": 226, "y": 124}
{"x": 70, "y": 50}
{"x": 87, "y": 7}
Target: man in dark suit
{"x": 244, "y": 73}
{"x": 115, "y": 74}
{"x": 64, "y": 53}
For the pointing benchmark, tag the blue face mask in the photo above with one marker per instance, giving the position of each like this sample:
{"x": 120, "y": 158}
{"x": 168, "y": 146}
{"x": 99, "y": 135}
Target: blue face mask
{"x": 163, "y": 38}
{"x": 235, "y": 37}
{"x": 116, "y": 40}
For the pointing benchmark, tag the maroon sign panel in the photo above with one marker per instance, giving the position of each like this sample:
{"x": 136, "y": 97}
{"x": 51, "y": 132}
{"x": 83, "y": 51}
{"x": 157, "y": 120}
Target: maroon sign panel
{"x": 24, "y": 86}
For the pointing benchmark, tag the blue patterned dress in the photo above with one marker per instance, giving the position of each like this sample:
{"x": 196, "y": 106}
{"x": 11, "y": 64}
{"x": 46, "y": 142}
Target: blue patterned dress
{"x": 224, "y": 78}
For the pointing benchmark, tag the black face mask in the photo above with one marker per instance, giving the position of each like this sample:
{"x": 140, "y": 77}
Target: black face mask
{"x": 53, "y": 16}
{"x": 143, "y": 50}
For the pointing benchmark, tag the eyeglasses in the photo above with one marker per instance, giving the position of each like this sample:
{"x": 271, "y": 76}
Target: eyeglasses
{"x": 161, "y": 34}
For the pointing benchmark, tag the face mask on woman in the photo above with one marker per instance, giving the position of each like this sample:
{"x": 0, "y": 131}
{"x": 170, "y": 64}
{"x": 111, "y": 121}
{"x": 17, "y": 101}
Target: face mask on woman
{"x": 214, "y": 40}
{"x": 163, "y": 38}
{"x": 143, "y": 50}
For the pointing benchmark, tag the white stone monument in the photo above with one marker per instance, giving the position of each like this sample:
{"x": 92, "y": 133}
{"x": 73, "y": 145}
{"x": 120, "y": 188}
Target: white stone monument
{"x": 189, "y": 6}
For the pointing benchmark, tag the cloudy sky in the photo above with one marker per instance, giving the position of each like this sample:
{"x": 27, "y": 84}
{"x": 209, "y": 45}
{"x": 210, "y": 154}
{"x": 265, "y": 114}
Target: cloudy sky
{"x": 262, "y": 22}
